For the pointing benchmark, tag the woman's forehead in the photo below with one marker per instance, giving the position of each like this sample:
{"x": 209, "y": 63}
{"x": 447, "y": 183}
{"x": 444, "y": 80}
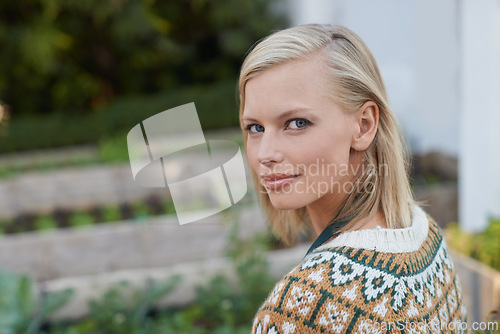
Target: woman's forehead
{"x": 295, "y": 85}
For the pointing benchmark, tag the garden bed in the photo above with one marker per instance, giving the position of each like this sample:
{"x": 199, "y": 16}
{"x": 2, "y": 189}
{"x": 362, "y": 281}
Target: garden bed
{"x": 133, "y": 244}
{"x": 192, "y": 274}
{"x": 217, "y": 295}
{"x": 151, "y": 206}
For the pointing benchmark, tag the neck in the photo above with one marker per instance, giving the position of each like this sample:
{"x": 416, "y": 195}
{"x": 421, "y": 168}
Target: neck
{"x": 378, "y": 219}
{"x": 326, "y": 208}
{"x": 323, "y": 211}
{"x": 322, "y": 218}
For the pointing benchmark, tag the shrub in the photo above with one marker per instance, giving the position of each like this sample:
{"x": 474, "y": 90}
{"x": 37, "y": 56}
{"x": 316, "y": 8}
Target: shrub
{"x": 21, "y": 311}
{"x": 484, "y": 246}
{"x": 222, "y": 306}
{"x": 216, "y": 106}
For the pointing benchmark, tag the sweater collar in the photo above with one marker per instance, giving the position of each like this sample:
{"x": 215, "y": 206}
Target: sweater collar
{"x": 401, "y": 240}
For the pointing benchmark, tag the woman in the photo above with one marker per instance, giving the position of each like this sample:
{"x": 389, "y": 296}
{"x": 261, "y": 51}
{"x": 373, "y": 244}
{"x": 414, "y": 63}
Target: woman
{"x": 325, "y": 150}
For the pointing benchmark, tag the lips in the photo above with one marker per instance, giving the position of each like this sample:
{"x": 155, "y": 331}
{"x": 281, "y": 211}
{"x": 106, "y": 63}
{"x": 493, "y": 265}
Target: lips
{"x": 277, "y": 181}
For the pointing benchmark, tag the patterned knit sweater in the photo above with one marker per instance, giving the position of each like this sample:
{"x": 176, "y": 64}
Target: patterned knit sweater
{"x": 369, "y": 281}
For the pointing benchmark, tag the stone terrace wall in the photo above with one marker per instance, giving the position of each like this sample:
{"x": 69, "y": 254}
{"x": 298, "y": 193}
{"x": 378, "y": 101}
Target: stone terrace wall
{"x": 74, "y": 187}
{"x": 99, "y": 249}
{"x": 70, "y": 188}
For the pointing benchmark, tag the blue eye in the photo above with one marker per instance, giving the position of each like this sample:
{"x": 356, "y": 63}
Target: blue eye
{"x": 298, "y": 123}
{"x": 254, "y": 128}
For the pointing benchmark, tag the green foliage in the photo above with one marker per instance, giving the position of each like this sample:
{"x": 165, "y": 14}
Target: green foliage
{"x": 111, "y": 213}
{"x": 61, "y": 218}
{"x": 216, "y": 302}
{"x": 3, "y": 224}
{"x": 119, "y": 311}
{"x": 235, "y": 303}
{"x": 255, "y": 282}
{"x": 488, "y": 245}
{"x": 45, "y": 222}
{"x": 122, "y": 309}
{"x": 21, "y": 312}
{"x": 141, "y": 211}
{"x": 216, "y": 105}
{"x": 169, "y": 206}
{"x": 81, "y": 218}
{"x": 5, "y": 172}
{"x": 113, "y": 149}
{"x": 183, "y": 321}
{"x": 484, "y": 246}
{"x": 70, "y": 55}
{"x": 222, "y": 306}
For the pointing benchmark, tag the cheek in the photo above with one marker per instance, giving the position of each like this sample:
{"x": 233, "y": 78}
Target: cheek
{"x": 327, "y": 155}
{"x": 251, "y": 152}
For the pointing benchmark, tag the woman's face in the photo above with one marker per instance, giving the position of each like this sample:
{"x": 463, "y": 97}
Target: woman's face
{"x": 299, "y": 140}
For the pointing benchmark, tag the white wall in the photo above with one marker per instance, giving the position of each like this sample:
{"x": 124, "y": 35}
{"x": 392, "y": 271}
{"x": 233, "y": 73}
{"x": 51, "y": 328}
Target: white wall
{"x": 436, "y": 69}
{"x": 479, "y": 182}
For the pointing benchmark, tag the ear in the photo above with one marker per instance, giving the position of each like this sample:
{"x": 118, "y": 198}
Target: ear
{"x": 366, "y": 126}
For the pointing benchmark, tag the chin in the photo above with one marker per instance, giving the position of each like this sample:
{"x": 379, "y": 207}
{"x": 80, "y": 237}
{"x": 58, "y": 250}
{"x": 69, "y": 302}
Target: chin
{"x": 281, "y": 202}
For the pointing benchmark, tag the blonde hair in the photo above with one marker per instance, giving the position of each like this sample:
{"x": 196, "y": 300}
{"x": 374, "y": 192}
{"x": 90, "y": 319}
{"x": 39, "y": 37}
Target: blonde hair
{"x": 356, "y": 78}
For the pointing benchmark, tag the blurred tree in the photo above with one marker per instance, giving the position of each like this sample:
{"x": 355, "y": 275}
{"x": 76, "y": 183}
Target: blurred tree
{"x": 75, "y": 56}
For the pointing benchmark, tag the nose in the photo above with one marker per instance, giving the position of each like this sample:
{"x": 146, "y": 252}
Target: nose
{"x": 269, "y": 149}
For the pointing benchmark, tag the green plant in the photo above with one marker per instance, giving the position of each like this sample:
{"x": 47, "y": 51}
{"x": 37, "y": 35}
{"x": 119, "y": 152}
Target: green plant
{"x": 222, "y": 306}
{"x": 122, "y": 310}
{"x": 458, "y": 239}
{"x": 235, "y": 303}
{"x": 6, "y": 172}
{"x": 60, "y": 62}
{"x": 45, "y": 222}
{"x": 488, "y": 245}
{"x": 169, "y": 206}
{"x": 182, "y": 320}
{"x": 21, "y": 311}
{"x": 3, "y": 224}
{"x": 81, "y": 218}
{"x": 113, "y": 149}
{"x": 141, "y": 210}
{"x": 111, "y": 213}
{"x": 255, "y": 282}
{"x": 484, "y": 246}
{"x": 216, "y": 302}
{"x": 61, "y": 218}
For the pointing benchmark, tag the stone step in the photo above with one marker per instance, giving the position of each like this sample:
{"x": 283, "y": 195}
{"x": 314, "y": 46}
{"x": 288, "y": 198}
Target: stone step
{"x": 126, "y": 245}
{"x": 192, "y": 274}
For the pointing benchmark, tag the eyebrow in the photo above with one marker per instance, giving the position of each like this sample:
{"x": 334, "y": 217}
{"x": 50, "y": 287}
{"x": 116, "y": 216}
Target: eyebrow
{"x": 281, "y": 116}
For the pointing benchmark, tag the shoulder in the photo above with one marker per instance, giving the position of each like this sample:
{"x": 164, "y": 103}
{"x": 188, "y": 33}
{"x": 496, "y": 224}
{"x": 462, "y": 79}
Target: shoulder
{"x": 344, "y": 289}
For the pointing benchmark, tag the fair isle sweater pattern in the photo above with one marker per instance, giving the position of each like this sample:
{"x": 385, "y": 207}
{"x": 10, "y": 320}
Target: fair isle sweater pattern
{"x": 343, "y": 289}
